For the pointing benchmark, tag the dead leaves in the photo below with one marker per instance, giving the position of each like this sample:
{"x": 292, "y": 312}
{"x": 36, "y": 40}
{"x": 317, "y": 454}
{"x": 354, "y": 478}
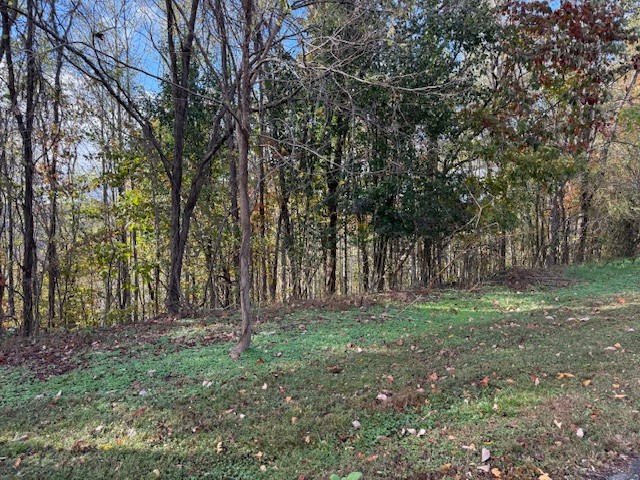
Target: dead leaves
{"x": 382, "y": 397}
{"x": 616, "y": 348}
{"x": 81, "y": 446}
{"x": 486, "y": 455}
{"x": 412, "y": 431}
{"x": 366, "y": 458}
{"x": 139, "y": 412}
{"x": 484, "y": 382}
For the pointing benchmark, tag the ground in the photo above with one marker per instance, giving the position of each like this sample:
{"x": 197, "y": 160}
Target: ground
{"x": 491, "y": 383}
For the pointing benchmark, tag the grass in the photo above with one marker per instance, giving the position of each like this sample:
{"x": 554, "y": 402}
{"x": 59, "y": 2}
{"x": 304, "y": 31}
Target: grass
{"x": 515, "y": 373}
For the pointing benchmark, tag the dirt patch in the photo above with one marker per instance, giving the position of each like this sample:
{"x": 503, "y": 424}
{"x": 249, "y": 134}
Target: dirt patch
{"x": 330, "y": 304}
{"x": 625, "y": 467}
{"x": 342, "y": 303}
{"x": 521, "y": 279}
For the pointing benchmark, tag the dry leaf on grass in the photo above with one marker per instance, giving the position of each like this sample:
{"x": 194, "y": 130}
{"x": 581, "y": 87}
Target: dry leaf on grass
{"x": 486, "y": 454}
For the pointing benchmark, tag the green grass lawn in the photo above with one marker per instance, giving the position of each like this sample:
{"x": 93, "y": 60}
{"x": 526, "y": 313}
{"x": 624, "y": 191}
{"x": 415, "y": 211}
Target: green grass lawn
{"x": 547, "y": 381}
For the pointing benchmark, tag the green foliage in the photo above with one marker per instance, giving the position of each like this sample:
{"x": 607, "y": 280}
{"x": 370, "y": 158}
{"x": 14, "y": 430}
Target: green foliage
{"x": 351, "y": 476}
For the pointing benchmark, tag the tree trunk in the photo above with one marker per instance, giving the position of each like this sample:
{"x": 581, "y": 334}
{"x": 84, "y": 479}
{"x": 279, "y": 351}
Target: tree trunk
{"x": 586, "y": 195}
{"x": 180, "y": 65}
{"x": 243, "y": 133}
{"x": 53, "y": 268}
{"x": 364, "y": 254}
{"x": 25, "y": 126}
{"x": 333, "y": 182}
{"x": 555, "y": 224}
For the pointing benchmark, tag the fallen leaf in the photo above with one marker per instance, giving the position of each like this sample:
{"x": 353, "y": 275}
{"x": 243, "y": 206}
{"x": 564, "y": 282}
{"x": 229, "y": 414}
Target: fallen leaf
{"x": 259, "y": 361}
{"x": 445, "y": 467}
{"x": 433, "y": 377}
{"x": 544, "y": 476}
{"x": 356, "y": 424}
{"x": 496, "y": 472}
{"x": 586, "y": 383}
{"x": 263, "y": 468}
{"x": 307, "y": 439}
{"x": 382, "y": 397}
{"x": 219, "y": 447}
{"x": 264, "y": 386}
{"x": 484, "y": 468}
{"x": 400, "y": 342}
{"x": 557, "y": 424}
{"x": 259, "y": 455}
{"x": 17, "y": 462}
{"x": 563, "y": 375}
{"x": 619, "y": 396}
{"x": 486, "y": 455}
{"x": 156, "y": 472}
{"x": 335, "y": 368}
{"x": 371, "y": 458}
{"x": 287, "y": 399}
{"x": 484, "y": 382}
{"x": 81, "y": 446}
{"x": 580, "y": 433}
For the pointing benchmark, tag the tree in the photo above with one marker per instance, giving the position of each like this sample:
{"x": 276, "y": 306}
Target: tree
{"x": 25, "y": 118}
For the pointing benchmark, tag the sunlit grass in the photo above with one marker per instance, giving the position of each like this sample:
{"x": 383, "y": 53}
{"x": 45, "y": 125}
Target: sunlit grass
{"x": 471, "y": 369}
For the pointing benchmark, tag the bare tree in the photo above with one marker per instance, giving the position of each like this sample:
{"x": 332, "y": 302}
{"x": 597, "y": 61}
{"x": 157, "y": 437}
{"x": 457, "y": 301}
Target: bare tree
{"x": 25, "y": 120}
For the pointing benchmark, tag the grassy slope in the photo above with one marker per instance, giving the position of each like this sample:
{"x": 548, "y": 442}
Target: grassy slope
{"x": 280, "y": 413}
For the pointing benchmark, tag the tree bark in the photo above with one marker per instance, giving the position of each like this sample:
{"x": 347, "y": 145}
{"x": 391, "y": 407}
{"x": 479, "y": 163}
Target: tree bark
{"x": 243, "y": 133}
{"x": 25, "y": 123}
{"x": 586, "y": 195}
{"x": 333, "y": 182}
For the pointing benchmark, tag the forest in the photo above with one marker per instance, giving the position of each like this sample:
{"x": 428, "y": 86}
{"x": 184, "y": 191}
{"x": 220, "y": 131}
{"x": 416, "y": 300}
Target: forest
{"x": 184, "y": 157}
